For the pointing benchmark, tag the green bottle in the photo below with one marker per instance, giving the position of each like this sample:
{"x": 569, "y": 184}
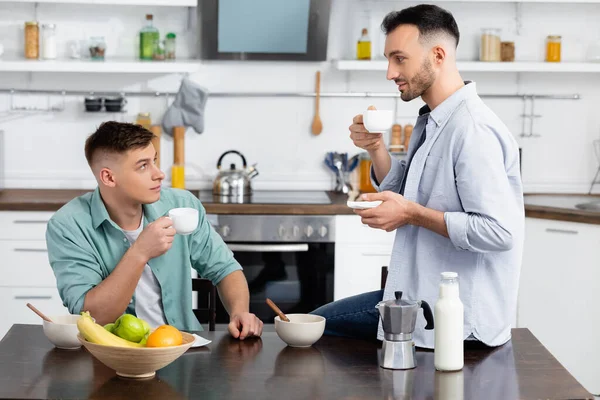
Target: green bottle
{"x": 148, "y": 37}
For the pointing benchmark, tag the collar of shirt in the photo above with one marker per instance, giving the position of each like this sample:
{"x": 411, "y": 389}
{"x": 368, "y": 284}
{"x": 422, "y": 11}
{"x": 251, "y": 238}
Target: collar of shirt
{"x": 99, "y": 212}
{"x": 443, "y": 111}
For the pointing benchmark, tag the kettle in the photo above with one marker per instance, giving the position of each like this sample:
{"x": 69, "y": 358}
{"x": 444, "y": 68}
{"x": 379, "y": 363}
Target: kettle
{"x": 399, "y": 318}
{"x": 234, "y": 182}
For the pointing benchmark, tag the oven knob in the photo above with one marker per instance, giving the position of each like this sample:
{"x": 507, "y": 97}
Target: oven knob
{"x": 225, "y": 231}
{"x": 309, "y": 231}
{"x": 323, "y": 231}
{"x": 296, "y": 231}
{"x": 281, "y": 231}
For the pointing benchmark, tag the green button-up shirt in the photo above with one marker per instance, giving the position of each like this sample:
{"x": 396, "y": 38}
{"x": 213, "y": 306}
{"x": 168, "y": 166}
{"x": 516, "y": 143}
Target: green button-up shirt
{"x": 85, "y": 246}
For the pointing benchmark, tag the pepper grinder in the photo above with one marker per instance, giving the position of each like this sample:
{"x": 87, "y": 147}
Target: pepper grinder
{"x": 177, "y": 171}
{"x": 407, "y": 134}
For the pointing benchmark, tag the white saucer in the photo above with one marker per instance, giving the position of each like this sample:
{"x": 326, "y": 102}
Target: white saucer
{"x": 363, "y": 205}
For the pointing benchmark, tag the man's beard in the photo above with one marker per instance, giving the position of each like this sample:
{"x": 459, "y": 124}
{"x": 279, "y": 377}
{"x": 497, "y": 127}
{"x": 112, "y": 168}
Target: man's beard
{"x": 419, "y": 83}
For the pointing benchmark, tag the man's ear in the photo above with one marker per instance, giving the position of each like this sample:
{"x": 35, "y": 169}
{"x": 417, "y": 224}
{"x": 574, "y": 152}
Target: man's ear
{"x": 439, "y": 55}
{"x": 107, "y": 177}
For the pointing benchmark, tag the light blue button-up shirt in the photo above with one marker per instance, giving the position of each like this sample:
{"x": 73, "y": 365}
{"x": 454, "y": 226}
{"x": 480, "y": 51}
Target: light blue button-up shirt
{"x": 468, "y": 167}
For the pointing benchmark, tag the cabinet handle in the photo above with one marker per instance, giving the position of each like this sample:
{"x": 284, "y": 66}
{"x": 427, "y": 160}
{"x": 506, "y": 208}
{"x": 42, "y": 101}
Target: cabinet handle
{"x": 31, "y": 250}
{"x": 375, "y": 254}
{"x": 30, "y": 221}
{"x": 33, "y": 297}
{"x": 567, "y": 231}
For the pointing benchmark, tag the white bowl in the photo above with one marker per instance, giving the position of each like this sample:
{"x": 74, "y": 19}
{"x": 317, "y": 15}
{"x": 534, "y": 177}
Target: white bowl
{"x": 302, "y": 331}
{"x": 378, "y": 121}
{"x": 62, "y": 331}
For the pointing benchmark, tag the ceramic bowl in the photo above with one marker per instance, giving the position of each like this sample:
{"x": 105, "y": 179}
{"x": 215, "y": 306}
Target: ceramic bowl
{"x": 62, "y": 331}
{"x": 137, "y": 362}
{"x": 378, "y": 121}
{"x": 303, "y": 330}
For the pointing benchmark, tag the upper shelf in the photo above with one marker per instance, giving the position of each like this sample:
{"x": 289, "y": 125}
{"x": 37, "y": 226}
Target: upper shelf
{"x": 107, "y": 66}
{"x": 178, "y": 3}
{"x": 479, "y": 66}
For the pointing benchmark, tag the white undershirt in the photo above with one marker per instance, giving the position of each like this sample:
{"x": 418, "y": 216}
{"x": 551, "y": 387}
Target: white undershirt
{"x": 148, "y": 300}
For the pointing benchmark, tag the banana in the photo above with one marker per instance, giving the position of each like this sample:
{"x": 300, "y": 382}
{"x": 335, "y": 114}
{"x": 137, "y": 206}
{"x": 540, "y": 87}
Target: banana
{"x": 92, "y": 332}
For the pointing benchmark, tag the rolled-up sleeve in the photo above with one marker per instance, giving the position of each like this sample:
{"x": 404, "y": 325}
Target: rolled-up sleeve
{"x": 491, "y": 209}
{"x": 76, "y": 269}
{"x": 393, "y": 179}
{"x": 209, "y": 254}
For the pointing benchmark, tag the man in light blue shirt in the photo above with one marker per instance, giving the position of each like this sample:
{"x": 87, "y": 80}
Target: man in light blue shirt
{"x": 456, "y": 202}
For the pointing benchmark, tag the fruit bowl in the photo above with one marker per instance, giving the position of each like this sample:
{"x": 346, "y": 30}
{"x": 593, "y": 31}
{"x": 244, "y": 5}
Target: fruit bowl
{"x": 137, "y": 362}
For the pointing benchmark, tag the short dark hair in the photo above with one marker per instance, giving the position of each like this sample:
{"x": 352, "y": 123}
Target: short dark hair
{"x": 116, "y": 137}
{"x": 429, "y": 19}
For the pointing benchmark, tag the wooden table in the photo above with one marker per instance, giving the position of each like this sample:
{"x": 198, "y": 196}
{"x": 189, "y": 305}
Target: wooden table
{"x": 30, "y": 367}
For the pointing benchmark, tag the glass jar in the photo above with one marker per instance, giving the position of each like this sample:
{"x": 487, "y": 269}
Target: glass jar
{"x": 97, "y": 48}
{"x": 553, "y": 44}
{"x": 170, "y": 46}
{"x": 49, "y": 47}
{"x": 32, "y": 40}
{"x": 507, "y": 51}
{"x": 364, "y": 171}
{"x": 490, "y": 48}
{"x": 144, "y": 120}
{"x": 159, "y": 50}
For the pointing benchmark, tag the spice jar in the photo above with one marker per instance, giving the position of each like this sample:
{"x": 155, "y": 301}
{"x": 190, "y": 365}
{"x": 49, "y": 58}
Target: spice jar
{"x": 32, "y": 40}
{"x": 49, "y": 47}
{"x": 170, "y": 45}
{"x": 97, "y": 48}
{"x": 490, "y": 45}
{"x": 507, "y": 51}
{"x": 144, "y": 120}
{"x": 553, "y": 44}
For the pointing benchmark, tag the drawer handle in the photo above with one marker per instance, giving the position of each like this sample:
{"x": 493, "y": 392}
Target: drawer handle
{"x": 32, "y": 221}
{"x": 31, "y": 250}
{"x": 377, "y": 254}
{"x": 568, "y": 231}
{"x": 33, "y": 297}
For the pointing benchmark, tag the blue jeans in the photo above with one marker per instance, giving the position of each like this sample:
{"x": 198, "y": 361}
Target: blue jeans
{"x": 354, "y": 317}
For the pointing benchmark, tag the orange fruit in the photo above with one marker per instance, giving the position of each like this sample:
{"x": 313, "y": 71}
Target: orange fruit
{"x": 164, "y": 336}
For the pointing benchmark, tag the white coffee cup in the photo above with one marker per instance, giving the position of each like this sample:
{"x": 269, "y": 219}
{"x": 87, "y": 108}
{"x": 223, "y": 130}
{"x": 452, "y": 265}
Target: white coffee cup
{"x": 378, "y": 121}
{"x": 185, "y": 220}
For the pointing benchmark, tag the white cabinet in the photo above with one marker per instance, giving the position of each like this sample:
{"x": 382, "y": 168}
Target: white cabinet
{"x": 360, "y": 252}
{"x": 26, "y": 275}
{"x": 558, "y": 294}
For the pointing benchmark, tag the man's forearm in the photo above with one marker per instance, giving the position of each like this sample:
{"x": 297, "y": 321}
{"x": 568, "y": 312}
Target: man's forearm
{"x": 382, "y": 163}
{"x": 109, "y": 300}
{"x": 233, "y": 291}
{"x": 428, "y": 219}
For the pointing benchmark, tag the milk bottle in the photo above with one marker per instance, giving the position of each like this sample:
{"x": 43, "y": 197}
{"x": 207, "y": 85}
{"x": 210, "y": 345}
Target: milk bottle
{"x": 449, "y": 316}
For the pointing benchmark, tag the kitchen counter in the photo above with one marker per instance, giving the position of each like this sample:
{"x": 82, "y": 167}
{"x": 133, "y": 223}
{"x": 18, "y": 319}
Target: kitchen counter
{"x": 549, "y": 206}
{"x": 265, "y": 368}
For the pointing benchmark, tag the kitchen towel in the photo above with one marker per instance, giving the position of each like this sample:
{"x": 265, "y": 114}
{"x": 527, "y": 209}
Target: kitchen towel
{"x": 187, "y": 109}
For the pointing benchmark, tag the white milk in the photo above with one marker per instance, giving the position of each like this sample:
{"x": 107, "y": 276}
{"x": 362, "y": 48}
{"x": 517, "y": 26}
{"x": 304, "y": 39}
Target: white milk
{"x": 449, "y": 316}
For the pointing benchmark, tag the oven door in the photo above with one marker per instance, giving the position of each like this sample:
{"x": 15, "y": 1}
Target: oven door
{"x": 297, "y": 277}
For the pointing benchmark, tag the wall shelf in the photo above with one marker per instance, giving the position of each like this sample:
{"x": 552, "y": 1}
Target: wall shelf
{"x": 478, "y": 66}
{"x": 170, "y": 3}
{"x": 108, "y": 66}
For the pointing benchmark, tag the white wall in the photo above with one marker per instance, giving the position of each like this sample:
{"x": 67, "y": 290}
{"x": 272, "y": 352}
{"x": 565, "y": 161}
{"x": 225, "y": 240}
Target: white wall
{"x": 47, "y": 150}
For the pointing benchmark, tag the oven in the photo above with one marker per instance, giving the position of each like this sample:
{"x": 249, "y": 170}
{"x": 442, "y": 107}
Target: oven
{"x": 286, "y": 258}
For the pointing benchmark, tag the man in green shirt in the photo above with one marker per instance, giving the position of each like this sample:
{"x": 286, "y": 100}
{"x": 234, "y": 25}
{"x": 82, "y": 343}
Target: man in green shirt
{"x": 114, "y": 250}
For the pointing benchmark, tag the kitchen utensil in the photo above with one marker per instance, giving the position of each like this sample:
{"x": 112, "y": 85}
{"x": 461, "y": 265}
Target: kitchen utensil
{"x": 38, "y": 312}
{"x": 137, "y": 362}
{"x": 363, "y": 205}
{"x": 378, "y": 121}
{"x": 338, "y": 164}
{"x": 317, "y": 125}
{"x": 178, "y": 171}
{"x": 93, "y": 104}
{"x": 114, "y": 104}
{"x": 62, "y": 331}
{"x": 234, "y": 182}
{"x": 408, "y": 129}
{"x": 277, "y": 310}
{"x": 157, "y": 131}
{"x": 597, "y": 152}
{"x": 302, "y": 331}
{"x": 398, "y": 319}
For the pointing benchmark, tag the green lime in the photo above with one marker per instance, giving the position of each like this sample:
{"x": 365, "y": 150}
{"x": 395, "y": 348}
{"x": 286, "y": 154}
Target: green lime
{"x": 129, "y": 327}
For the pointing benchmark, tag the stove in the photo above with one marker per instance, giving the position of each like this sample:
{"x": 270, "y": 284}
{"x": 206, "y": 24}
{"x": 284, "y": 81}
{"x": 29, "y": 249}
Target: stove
{"x": 268, "y": 197}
